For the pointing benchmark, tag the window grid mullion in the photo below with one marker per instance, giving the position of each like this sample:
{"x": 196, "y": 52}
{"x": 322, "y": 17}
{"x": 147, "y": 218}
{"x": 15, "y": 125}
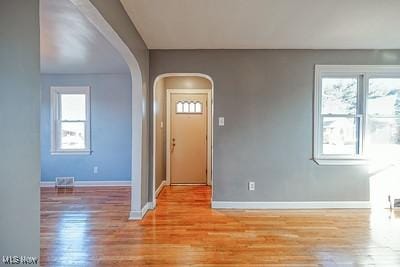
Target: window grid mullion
{"x": 73, "y": 120}
{"x": 331, "y": 115}
{"x": 361, "y": 111}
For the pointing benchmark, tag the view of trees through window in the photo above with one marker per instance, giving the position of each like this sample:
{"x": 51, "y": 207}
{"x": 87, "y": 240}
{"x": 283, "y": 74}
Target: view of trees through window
{"x": 339, "y": 96}
{"x": 341, "y": 116}
{"x": 339, "y": 108}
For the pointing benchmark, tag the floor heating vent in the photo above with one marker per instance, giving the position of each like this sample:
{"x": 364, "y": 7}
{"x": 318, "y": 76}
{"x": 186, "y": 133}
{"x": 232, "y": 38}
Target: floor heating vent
{"x": 396, "y": 203}
{"x": 64, "y": 182}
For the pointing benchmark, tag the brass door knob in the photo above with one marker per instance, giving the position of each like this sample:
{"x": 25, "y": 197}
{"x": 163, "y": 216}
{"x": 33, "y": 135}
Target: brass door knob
{"x": 173, "y": 145}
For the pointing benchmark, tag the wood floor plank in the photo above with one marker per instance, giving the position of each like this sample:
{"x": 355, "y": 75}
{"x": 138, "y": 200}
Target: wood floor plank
{"x": 89, "y": 227}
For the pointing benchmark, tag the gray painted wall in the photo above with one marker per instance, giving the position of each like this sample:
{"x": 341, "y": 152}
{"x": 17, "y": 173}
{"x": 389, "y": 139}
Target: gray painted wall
{"x": 115, "y": 15}
{"x": 159, "y": 104}
{"x": 111, "y": 129}
{"x": 19, "y": 134}
{"x": 266, "y": 97}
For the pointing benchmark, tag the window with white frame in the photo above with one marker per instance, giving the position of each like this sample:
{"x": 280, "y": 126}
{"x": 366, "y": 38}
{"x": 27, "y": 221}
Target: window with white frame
{"x": 70, "y": 120}
{"x": 356, "y": 114}
{"x": 189, "y": 107}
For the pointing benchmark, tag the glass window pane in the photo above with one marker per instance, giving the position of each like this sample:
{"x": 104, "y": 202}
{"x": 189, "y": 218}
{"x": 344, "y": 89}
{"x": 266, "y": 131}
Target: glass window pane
{"x": 198, "y": 107}
{"x": 72, "y": 135}
{"x": 339, "y": 136}
{"x": 339, "y": 95}
{"x": 384, "y": 96}
{"x": 191, "y": 107}
{"x": 73, "y": 107}
{"x": 179, "y": 107}
{"x": 384, "y": 138}
{"x": 186, "y": 107}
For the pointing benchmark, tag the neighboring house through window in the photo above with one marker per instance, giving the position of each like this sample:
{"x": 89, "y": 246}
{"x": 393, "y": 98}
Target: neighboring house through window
{"x": 356, "y": 114}
{"x": 70, "y": 120}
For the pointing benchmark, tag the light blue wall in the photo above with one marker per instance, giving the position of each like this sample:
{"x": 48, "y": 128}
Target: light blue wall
{"x": 19, "y": 134}
{"x": 111, "y": 129}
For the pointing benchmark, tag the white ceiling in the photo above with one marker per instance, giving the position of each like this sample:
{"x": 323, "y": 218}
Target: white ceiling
{"x": 69, "y": 43}
{"x": 275, "y": 24}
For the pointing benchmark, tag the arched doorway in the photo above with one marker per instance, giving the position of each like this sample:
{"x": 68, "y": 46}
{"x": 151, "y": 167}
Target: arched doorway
{"x": 138, "y": 100}
{"x": 186, "y": 81}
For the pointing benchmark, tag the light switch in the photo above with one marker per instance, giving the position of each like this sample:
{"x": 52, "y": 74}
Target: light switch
{"x": 161, "y": 124}
{"x": 221, "y": 121}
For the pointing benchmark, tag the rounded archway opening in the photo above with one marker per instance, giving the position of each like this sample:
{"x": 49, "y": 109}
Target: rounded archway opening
{"x": 164, "y": 83}
{"x": 138, "y": 101}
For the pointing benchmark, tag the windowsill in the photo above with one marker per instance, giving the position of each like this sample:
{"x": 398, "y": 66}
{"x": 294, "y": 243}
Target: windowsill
{"x": 71, "y": 153}
{"x": 341, "y": 162}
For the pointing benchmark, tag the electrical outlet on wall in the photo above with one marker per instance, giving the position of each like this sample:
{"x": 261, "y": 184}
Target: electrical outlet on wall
{"x": 252, "y": 186}
{"x": 95, "y": 169}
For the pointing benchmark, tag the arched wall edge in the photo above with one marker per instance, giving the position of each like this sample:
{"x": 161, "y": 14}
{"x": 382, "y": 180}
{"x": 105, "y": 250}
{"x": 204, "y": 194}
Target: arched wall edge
{"x": 138, "y": 101}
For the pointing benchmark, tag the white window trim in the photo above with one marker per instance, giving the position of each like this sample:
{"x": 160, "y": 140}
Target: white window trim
{"x": 364, "y": 71}
{"x": 54, "y": 114}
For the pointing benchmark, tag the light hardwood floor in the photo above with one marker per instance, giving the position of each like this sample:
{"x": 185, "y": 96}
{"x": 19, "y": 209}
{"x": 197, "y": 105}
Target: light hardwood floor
{"x": 90, "y": 227}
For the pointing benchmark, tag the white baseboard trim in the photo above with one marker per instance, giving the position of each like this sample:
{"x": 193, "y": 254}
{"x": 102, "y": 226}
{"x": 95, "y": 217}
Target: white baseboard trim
{"x": 138, "y": 215}
{"x": 292, "y": 205}
{"x": 159, "y": 189}
{"x": 91, "y": 183}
